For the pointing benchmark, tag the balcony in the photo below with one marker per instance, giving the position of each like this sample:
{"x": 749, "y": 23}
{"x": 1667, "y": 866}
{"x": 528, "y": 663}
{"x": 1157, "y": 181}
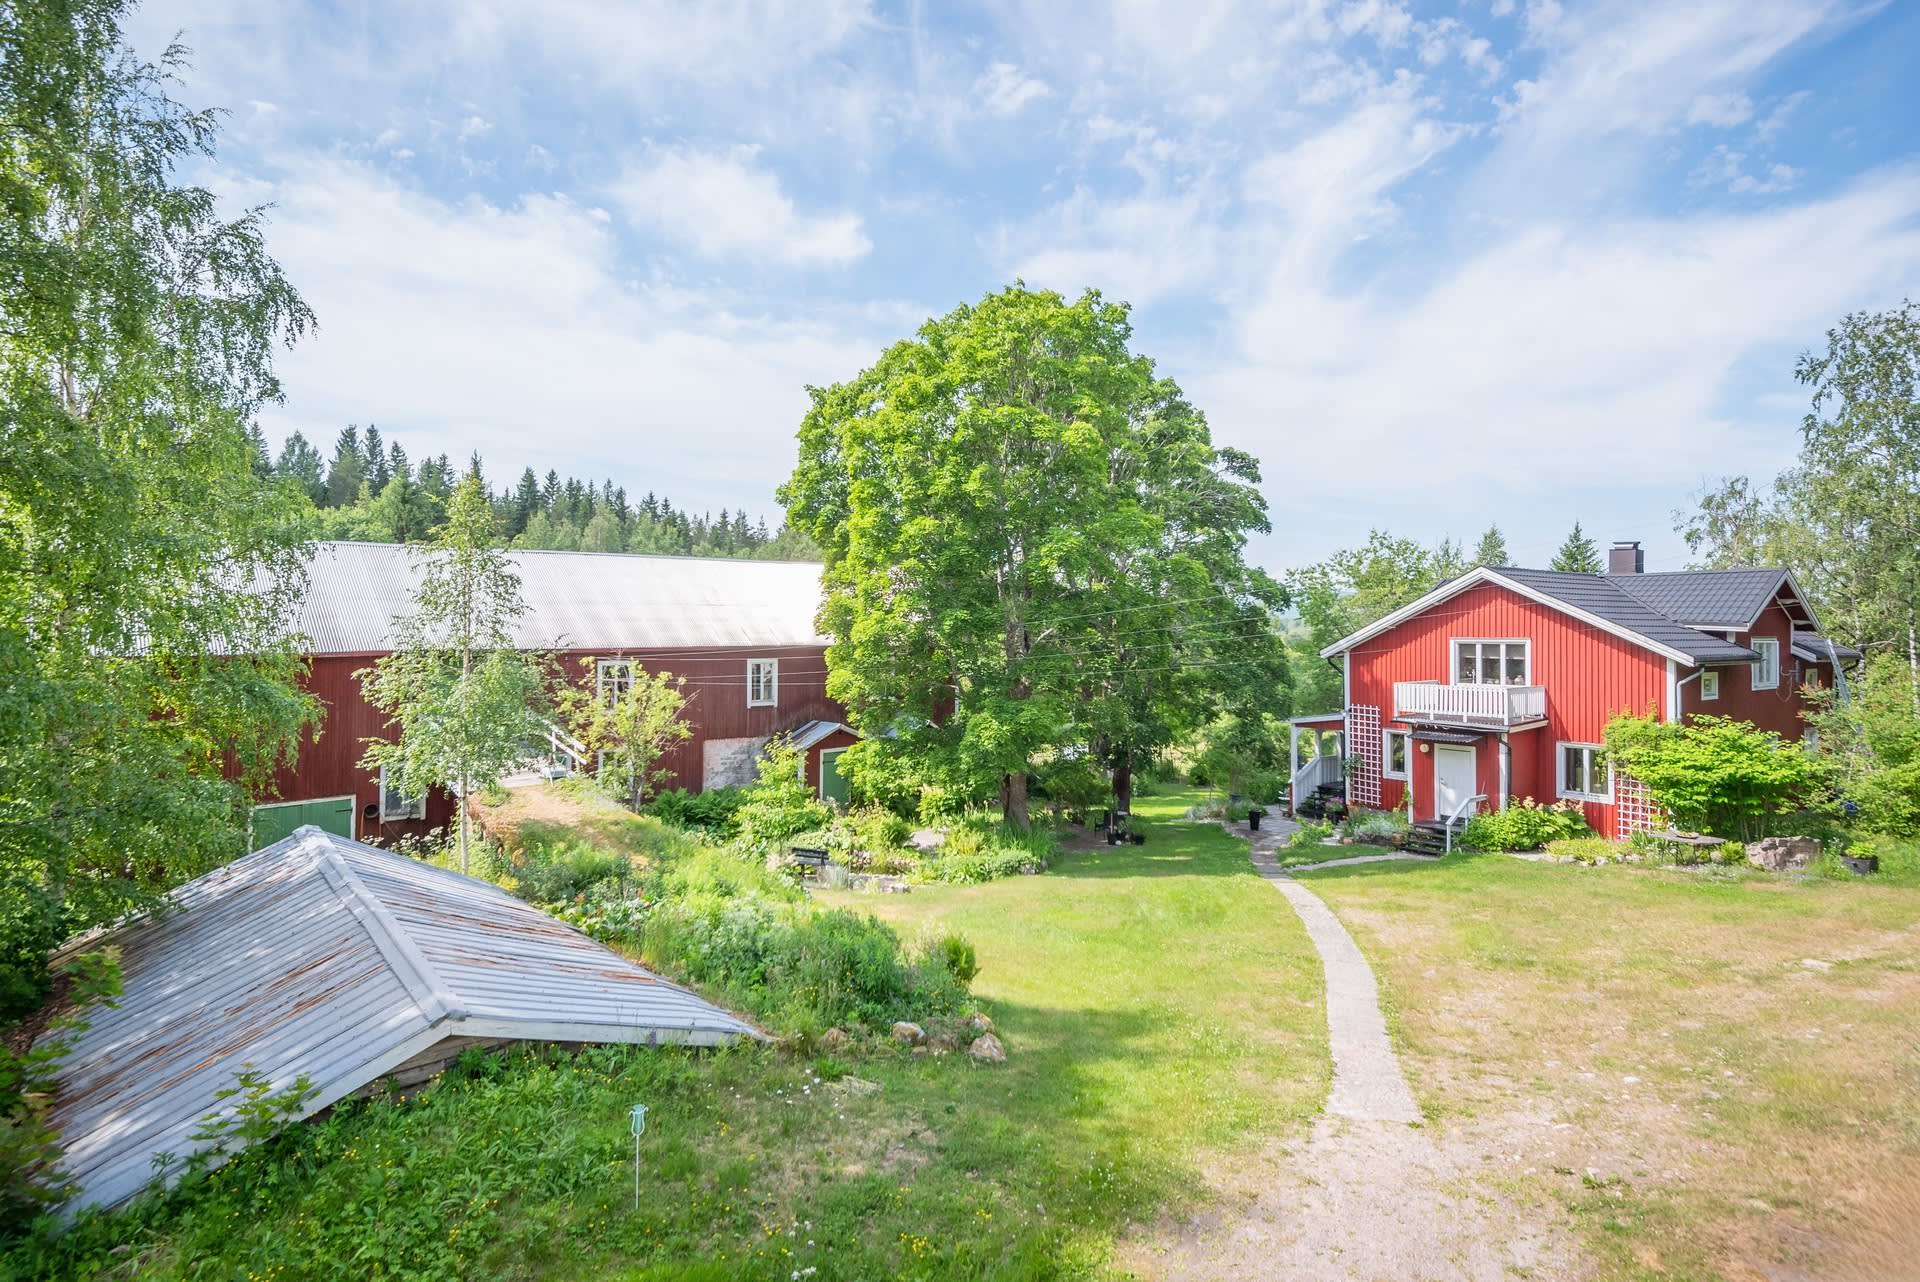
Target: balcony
{"x": 1475, "y": 706}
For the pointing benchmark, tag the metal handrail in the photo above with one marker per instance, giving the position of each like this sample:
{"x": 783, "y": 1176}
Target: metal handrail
{"x": 1453, "y": 818}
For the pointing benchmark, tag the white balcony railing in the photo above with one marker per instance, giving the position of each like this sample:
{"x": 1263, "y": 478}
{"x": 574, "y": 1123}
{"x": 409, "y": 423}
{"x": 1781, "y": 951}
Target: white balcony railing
{"x": 1468, "y": 705}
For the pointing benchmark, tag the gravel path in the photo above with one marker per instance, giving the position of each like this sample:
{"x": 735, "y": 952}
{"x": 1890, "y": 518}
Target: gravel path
{"x": 1373, "y": 1195}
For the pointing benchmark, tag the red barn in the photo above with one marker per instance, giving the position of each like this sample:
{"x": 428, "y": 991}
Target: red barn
{"x": 1498, "y": 685}
{"x": 741, "y": 634}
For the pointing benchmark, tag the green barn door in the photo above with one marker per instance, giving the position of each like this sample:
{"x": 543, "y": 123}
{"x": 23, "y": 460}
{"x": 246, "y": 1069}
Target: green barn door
{"x": 833, "y": 784}
{"x": 272, "y": 823}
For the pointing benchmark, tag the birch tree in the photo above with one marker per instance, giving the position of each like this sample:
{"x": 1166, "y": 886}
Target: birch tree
{"x": 465, "y": 702}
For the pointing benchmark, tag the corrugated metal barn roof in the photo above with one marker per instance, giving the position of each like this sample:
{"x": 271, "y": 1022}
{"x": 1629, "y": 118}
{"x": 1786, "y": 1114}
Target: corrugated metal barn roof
{"x": 326, "y": 957}
{"x": 590, "y": 600}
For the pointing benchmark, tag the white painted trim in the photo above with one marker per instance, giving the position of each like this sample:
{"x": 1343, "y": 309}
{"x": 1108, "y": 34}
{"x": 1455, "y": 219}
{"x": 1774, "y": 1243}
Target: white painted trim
{"x": 1709, "y": 685}
{"x": 380, "y": 807}
{"x": 1386, "y": 754}
{"x": 1560, "y": 788}
{"x": 1753, "y": 669}
{"x": 1453, "y": 657}
{"x": 1485, "y": 575}
{"x": 600, "y": 667}
{"x": 773, "y": 702}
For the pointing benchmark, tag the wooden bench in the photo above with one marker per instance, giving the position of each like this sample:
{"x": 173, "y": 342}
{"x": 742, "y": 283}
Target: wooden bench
{"x": 808, "y": 857}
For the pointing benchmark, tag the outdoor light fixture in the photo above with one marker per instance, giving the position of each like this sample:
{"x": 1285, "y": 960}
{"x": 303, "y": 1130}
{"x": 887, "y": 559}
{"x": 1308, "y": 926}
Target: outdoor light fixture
{"x": 1426, "y": 747}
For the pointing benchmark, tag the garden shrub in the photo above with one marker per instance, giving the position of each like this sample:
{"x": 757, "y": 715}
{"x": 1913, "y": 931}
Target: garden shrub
{"x": 1310, "y": 833}
{"x": 1525, "y": 825}
{"x": 1714, "y": 774}
{"x": 1379, "y": 827}
{"x": 779, "y": 803}
{"x": 711, "y": 812}
{"x": 1586, "y": 850}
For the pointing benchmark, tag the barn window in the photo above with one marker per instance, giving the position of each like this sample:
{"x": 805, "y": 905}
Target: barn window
{"x": 1491, "y": 663}
{"x": 1393, "y": 756}
{"x": 1709, "y": 686}
{"x": 614, "y": 677}
{"x": 763, "y": 683}
{"x": 394, "y": 801}
{"x": 1584, "y": 772}
{"x": 1766, "y": 673}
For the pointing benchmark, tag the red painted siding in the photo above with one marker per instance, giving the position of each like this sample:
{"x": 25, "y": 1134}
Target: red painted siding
{"x": 1589, "y": 674}
{"x": 716, "y": 694}
{"x": 1778, "y": 709}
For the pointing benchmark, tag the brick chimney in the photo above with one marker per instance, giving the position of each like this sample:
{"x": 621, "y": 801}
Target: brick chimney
{"x": 1625, "y": 557}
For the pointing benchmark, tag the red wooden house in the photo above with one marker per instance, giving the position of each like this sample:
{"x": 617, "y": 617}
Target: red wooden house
{"x": 1497, "y": 686}
{"x": 740, "y": 633}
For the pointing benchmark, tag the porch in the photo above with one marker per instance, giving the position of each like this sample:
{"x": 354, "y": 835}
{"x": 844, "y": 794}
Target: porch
{"x": 1317, "y": 755}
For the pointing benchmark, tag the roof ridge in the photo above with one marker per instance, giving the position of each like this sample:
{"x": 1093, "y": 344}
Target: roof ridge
{"x": 409, "y": 964}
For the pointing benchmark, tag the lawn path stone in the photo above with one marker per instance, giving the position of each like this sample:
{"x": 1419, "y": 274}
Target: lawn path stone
{"x": 1372, "y": 1194}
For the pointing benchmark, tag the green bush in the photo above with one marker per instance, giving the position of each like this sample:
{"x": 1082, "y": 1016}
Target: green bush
{"x": 1310, "y": 833}
{"x": 556, "y": 874}
{"x": 1714, "y": 774}
{"x": 1525, "y": 825}
{"x": 957, "y": 955}
{"x": 711, "y": 812}
{"x": 1376, "y": 826}
{"x": 971, "y": 870}
{"x": 779, "y": 804}
{"x": 1586, "y": 850}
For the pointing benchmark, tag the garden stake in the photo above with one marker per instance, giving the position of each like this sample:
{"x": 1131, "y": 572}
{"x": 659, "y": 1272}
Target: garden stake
{"x": 638, "y": 1117}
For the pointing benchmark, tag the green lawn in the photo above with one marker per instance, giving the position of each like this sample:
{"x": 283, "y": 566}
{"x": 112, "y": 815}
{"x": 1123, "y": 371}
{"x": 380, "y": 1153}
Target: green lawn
{"x": 1735, "y": 1055}
{"x": 1161, "y": 1008}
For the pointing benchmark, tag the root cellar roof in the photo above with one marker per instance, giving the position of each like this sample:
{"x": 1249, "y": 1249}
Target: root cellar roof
{"x": 329, "y": 958}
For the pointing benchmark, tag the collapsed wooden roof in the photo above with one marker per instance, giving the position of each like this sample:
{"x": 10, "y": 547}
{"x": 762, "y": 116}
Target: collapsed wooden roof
{"x": 329, "y": 958}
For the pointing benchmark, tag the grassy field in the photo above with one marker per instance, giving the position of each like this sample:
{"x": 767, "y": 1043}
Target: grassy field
{"x": 1161, "y": 1009}
{"x": 1718, "y": 1072}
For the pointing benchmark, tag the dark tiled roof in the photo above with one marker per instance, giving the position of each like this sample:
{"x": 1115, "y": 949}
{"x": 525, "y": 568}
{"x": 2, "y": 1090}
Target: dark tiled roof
{"x": 1811, "y": 647}
{"x": 1706, "y": 598}
{"x": 1604, "y": 597}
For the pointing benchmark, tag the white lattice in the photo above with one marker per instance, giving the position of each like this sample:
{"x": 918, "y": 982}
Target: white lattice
{"x": 1633, "y": 808}
{"x": 1363, "y": 744}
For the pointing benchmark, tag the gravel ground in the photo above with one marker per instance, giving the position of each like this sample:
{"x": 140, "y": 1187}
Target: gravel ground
{"x": 1373, "y": 1195}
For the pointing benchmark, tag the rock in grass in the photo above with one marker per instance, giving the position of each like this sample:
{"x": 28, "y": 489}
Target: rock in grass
{"x": 978, "y": 1023}
{"x": 940, "y": 1042}
{"x": 835, "y": 1039}
{"x": 1782, "y": 854}
{"x": 987, "y": 1049}
{"x": 909, "y": 1034}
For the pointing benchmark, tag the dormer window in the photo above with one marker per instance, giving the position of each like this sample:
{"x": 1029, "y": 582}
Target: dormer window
{"x": 1492, "y": 663}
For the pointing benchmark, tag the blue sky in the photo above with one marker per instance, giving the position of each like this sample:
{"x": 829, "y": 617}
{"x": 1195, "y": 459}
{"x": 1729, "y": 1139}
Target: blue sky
{"x": 1435, "y": 264}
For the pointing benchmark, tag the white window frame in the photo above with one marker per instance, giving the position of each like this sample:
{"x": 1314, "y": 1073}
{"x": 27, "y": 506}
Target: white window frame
{"x": 763, "y": 691}
{"x": 604, "y": 679}
{"x": 415, "y": 808}
{"x": 1562, "y": 787}
{"x": 1709, "y": 686}
{"x": 1526, "y": 651}
{"x": 1768, "y": 648}
{"x": 1386, "y": 754}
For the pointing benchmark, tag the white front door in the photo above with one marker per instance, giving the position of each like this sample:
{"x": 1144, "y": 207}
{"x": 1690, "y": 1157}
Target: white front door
{"x": 1453, "y": 777}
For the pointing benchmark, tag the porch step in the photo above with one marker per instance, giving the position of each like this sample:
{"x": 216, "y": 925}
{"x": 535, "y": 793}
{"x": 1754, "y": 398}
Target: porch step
{"x": 1426, "y": 838}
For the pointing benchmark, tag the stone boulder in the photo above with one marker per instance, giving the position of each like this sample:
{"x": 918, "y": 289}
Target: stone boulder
{"x": 835, "y": 1039}
{"x": 987, "y": 1049}
{"x": 1782, "y": 854}
{"x": 926, "y": 840}
{"x": 978, "y": 1023}
{"x": 941, "y": 1042}
{"x": 908, "y": 1034}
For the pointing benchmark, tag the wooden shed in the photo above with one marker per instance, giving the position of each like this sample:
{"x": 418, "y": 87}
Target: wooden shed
{"x": 324, "y": 957}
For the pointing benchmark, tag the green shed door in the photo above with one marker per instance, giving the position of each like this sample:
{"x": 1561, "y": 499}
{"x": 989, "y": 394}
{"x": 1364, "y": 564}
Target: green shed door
{"x": 271, "y": 823}
{"x": 833, "y": 784}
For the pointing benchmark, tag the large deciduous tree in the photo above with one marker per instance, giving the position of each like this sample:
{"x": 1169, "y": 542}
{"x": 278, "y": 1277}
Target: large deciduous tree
{"x": 146, "y": 569}
{"x": 1031, "y": 542}
{"x": 1846, "y": 517}
{"x": 628, "y": 725}
{"x": 465, "y": 701}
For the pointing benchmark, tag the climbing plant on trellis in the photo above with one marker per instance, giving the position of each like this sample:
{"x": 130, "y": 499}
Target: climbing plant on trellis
{"x": 1633, "y": 806}
{"x": 1363, "y": 744}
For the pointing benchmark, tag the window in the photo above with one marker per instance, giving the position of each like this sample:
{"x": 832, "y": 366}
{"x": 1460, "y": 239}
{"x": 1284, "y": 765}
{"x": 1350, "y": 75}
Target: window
{"x": 1766, "y": 673}
{"x": 613, "y": 678}
{"x": 1584, "y": 772}
{"x": 1393, "y": 754}
{"x": 394, "y": 802}
{"x": 1491, "y": 663}
{"x": 763, "y": 683}
{"x": 1709, "y": 686}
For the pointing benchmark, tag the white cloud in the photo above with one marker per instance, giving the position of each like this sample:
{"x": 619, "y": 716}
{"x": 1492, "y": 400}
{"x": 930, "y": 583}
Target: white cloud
{"x": 1722, "y": 109}
{"x": 512, "y": 330}
{"x": 475, "y": 127}
{"x": 724, "y": 205}
{"x": 1003, "y": 89}
{"x": 1775, "y": 120}
{"x": 1137, "y": 250}
{"x": 1728, "y": 168}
